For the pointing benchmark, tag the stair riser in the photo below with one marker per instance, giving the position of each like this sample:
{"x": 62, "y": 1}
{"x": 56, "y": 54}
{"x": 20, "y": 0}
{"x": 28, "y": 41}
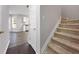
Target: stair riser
{"x": 51, "y": 47}
{"x": 66, "y": 47}
{"x": 70, "y": 26}
{"x": 66, "y": 38}
{"x": 57, "y": 48}
{"x": 53, "y": 51}
{"x": 49, "y": 51}
{"x": 68, "y": 31}
{"x": 69, "y": 44}
{"x": 69, "y": 22}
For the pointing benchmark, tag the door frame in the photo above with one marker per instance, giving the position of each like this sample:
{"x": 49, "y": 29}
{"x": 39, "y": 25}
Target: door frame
{"x": 36, "y": 8}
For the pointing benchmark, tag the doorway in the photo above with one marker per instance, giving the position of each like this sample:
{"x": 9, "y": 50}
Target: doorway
{"x": 19, "y": 24}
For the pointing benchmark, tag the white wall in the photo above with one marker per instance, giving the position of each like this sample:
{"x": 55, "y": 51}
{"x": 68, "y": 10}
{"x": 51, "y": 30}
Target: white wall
{"x": 34, "y": 32}
{"x": 18, "y": 9}
{"x": 49, "y": 15}
{"x": 19, "y": 23}
{"x": 4, "y": 37}
{"x": 0, "y": 16}
{"x": 70, "y": 11}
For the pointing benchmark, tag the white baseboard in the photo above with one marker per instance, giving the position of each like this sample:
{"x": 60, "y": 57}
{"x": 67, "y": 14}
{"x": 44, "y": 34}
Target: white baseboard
{"x": 4, "y": 52}
{"x": 51, "y": 34}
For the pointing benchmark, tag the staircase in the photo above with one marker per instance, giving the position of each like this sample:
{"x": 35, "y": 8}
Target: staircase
{"x": 65, "y": 39}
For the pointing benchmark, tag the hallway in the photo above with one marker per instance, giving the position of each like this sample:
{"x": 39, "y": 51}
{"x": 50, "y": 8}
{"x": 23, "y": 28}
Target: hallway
{"x": 19, "y": 24}
{"x": 17, "y": 38}
{"x": 18, "y": 44}
{"x": 21, "y": 49}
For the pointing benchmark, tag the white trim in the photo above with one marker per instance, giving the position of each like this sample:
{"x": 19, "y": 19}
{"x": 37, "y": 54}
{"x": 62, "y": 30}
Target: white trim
{"x": 38, "y": 30}
{"x": 33, "y": 48}
{"x": 51, "y": 34}
{"x": 6, "y": 47}
{"x": 35, "y": 41}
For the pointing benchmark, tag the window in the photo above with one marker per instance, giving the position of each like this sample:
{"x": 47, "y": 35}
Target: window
{"x": 19, "y": 22}
{"x": 14, "y": 21}
{"x": 26, "y": 23}
{"x": 26, "y": 20}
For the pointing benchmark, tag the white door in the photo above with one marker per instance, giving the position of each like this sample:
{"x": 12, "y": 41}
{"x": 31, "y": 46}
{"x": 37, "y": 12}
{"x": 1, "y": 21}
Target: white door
{"x": 33, "y": 27}
{"x": 32, "y": 30}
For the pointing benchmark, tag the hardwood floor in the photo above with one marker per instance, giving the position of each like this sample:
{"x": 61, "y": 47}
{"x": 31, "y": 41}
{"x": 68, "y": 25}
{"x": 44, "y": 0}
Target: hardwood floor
{"x": 21, "y": 49}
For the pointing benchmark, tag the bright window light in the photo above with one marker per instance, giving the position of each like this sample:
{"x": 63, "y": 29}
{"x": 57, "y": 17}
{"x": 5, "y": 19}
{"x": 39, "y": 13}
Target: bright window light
{"x": 14, "y": 18}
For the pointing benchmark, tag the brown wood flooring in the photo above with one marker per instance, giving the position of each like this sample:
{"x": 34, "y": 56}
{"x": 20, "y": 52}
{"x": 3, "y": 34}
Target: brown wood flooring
{"x": 21, "y": 49}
